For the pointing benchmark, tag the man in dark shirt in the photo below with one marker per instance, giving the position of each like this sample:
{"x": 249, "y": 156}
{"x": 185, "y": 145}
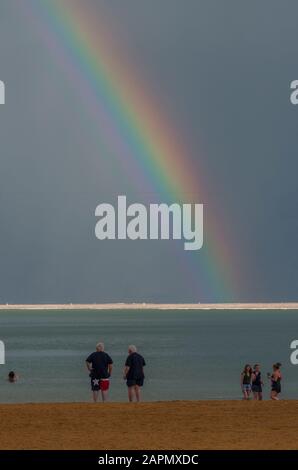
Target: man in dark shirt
{"x": 134, "y": 373}
{"x": 100, "y": 366}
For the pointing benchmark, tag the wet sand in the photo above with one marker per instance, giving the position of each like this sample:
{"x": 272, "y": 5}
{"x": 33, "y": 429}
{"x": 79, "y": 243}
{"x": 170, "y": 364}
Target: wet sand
{"x": 161, "y": 425}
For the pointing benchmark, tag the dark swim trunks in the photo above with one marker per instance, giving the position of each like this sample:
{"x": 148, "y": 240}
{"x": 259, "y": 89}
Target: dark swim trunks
{"x": 133, "y": 382}
{"x": 275, "y": 387}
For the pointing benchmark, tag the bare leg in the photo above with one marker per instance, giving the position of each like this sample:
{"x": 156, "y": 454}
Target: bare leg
{"x": 95, "y": 396}
{"x": 104, "y": 395}
{"x": 274, "y": 396}
{"x": 260, "y": 396}
{"x": 256, "y": 396}
{"x": 138, "y": 393}
{"x": 130, "y": 393}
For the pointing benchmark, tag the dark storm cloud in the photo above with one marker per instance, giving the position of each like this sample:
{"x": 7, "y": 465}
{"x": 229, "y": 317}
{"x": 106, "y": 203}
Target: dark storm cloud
{"x": 221, "y": 71}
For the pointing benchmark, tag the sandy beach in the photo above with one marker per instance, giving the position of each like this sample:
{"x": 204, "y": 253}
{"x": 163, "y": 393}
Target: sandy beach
{"x": 161, "y": 425}
{"x": 155, "y": 306}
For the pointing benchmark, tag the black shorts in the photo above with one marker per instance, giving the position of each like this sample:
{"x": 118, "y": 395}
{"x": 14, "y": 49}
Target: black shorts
{"x": 276, "y": 388}
{"x": 257, "y": 388}
{"x": 133, "y": 382}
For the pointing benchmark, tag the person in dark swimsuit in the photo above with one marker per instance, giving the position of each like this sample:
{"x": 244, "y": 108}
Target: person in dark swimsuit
{"x": 275, "y": 378}
{"x": 257, "y": 383}
{"x": 134, "y": 373}
{"x": 245, "y": 381}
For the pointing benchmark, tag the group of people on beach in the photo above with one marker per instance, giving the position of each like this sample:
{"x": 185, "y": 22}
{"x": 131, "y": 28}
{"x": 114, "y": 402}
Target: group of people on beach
{"x": 251, "y": 381}
{"x": 100, "y": 366}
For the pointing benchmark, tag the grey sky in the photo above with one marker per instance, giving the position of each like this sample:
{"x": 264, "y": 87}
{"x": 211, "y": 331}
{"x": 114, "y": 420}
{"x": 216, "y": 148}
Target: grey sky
{"x": 221, "y": 71}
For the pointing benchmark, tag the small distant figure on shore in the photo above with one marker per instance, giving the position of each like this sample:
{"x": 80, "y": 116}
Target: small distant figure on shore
{"x": 275, "y": 378}
{"x": 245, "y": 381}
{"x": 12, "y": 377}
{"x": 134, "y": 373}
{"x": 257, "y": 383}
{"x": 100, "y": 365}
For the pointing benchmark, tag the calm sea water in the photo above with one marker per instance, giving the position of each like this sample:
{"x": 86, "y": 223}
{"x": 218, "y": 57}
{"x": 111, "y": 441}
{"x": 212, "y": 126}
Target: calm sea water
{"x": 190, "y": 355}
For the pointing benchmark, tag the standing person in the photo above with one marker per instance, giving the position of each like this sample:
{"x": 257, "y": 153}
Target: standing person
{"x": 257, "y": 383}
{"x": 245, "y": 381}
{"x": 275, "y": 378}
{"x": 134, "y": 373}
{"x": 100, "y": 365}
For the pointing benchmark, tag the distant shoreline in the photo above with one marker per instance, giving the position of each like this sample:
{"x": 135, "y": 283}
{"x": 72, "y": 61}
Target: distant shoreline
{"x": 153, "y": 306}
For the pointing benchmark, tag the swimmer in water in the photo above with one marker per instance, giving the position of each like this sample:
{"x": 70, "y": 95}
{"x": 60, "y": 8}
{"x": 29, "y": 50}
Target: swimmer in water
{"x": 12, "y": 377}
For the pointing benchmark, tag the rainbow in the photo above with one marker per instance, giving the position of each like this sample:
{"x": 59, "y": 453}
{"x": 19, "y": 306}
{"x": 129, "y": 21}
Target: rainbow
{"x": 133, "y": 126}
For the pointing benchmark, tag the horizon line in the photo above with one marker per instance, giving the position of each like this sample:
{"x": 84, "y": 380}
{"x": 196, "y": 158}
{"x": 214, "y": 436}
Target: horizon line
{"x": 154, "y": 306}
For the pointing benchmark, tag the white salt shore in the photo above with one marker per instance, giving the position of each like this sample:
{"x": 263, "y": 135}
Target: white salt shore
{"x": 153, "y": 306}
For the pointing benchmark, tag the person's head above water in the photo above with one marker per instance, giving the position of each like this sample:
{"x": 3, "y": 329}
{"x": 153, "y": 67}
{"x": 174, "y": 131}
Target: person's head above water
{"x": 12, "y": 376}
{"x": 132, "y": 349}
{"x": 100, "y": 347}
